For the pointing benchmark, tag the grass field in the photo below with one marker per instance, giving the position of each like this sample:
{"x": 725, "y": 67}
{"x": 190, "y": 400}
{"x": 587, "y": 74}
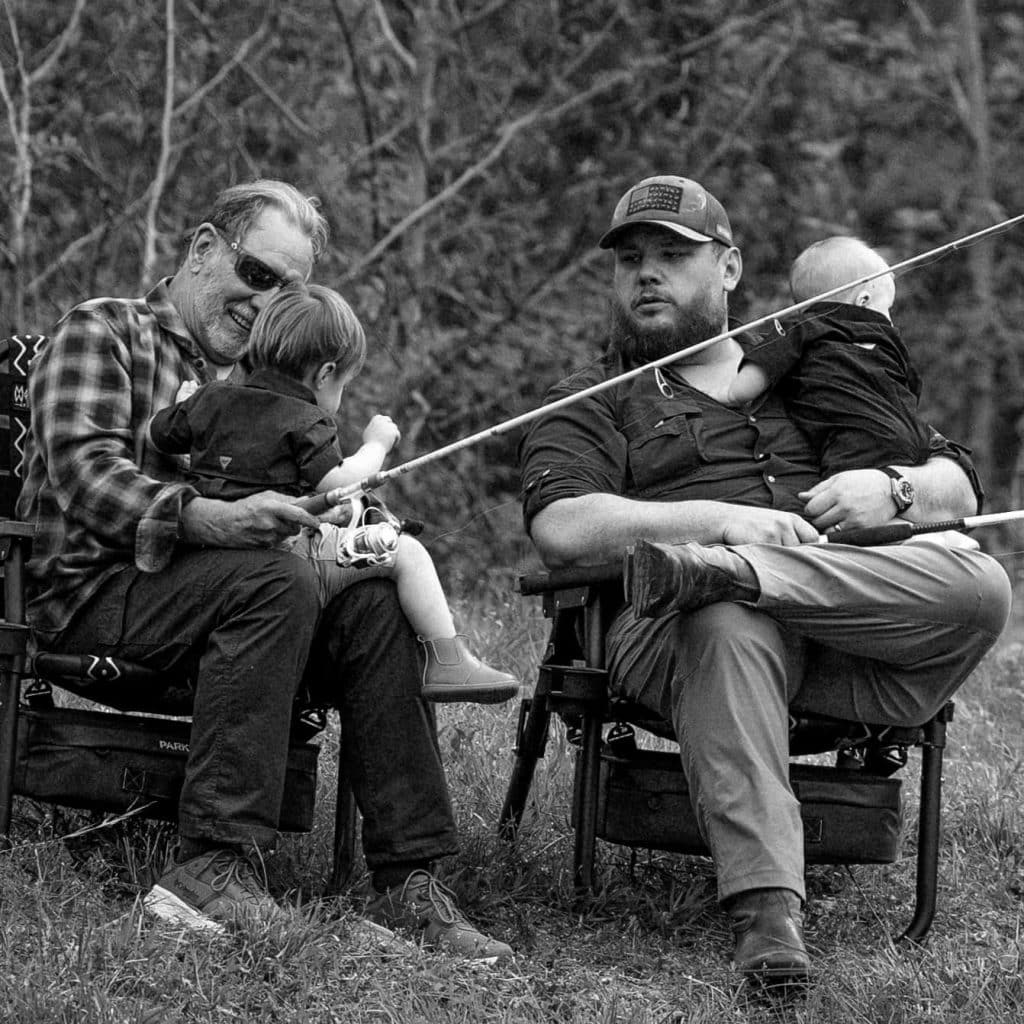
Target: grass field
{"x": 651, "y": 946}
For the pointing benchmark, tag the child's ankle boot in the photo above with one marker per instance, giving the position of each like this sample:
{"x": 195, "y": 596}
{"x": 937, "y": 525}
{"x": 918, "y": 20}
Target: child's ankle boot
{"x": 452, "y": 673}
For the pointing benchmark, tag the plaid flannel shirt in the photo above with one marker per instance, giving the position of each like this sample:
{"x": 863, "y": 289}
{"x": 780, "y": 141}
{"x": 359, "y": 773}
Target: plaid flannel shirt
{"x": 98, "y": 495}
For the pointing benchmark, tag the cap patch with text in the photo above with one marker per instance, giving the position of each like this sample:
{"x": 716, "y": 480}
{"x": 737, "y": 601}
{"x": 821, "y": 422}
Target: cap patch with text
{"x": 679, "y": 204}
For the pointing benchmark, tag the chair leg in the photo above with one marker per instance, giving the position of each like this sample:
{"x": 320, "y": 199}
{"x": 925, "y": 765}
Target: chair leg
{"x": 585, "y": 792}
{"x": 929, "y": 821}
{"x": 346, "y": 821}
{"x": 531, "y": 739}
{"x": 9, "y": 696}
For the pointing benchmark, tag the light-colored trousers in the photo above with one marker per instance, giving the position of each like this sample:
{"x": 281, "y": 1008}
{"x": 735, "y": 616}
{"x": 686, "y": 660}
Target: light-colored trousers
{"x": 880, "y": 635}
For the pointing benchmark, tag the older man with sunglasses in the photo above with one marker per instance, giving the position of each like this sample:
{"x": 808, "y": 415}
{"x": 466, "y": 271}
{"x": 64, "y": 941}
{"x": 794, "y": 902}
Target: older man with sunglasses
{"x": 129, "y": 561}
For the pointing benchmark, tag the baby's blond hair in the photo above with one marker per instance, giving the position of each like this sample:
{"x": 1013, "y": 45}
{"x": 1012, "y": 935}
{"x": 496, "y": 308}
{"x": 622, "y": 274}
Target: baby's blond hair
{"x": 830, "y": 263}
{"x": 303, "y": 327}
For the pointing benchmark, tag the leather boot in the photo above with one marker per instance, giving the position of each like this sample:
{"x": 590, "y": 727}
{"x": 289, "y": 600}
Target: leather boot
{"x": 663, "y": 578}
{"x": 768, "y": 926}
{"x": 453, "y": 673}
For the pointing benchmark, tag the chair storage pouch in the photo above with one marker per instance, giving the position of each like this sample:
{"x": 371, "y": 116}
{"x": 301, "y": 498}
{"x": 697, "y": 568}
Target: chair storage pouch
{"x": 849, "y": 817}
{"x": 110, "y": 762}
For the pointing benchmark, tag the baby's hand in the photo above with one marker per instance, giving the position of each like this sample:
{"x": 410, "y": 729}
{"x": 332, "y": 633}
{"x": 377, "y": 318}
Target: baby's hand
{"x": 382, "y": 430}
{"x": 187, "y": 389}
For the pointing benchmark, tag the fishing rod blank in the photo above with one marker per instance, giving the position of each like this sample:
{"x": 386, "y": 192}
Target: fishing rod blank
{"x": 338, "y": 495}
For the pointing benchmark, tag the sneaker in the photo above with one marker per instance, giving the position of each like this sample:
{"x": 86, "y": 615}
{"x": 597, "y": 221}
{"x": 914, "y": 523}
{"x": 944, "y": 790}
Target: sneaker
{"x": 368, "y": 935}
{"x": 423, "y": 905}
{"x": 215, "y": 891}
{"x": 452, "y": 673}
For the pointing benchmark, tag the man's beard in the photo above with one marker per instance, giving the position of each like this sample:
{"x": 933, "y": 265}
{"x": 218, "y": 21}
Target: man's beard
{"x": 639, "y": 345}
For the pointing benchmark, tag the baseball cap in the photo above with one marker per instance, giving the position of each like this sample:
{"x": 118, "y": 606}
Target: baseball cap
{"x": 679, "y": 204}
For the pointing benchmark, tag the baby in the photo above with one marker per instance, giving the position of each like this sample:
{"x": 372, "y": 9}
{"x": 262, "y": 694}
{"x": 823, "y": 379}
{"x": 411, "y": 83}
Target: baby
{"x": 841, "y": 365}
{"x": 276, "y": 431}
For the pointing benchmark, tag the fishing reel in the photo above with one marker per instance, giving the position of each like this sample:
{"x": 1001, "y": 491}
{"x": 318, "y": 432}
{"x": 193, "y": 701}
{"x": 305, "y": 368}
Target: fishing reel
{"x": 371, "y": 536}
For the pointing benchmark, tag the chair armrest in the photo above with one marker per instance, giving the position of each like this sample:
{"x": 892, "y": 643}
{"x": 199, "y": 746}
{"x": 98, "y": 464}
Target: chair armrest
{"x": 14, "y": 528}
{"x": 568, "y": 579}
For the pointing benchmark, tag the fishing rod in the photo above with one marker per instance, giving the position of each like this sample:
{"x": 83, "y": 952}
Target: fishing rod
{"x": 317, "y": 504}
{"x": 893, "y": 533}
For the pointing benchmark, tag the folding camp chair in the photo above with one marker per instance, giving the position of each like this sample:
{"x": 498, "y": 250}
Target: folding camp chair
{"x": 623, "y": 794}
{"x": 105, "y": 760}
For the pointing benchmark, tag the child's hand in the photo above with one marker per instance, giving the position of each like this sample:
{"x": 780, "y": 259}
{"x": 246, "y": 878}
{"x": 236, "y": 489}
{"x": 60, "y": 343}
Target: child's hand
{"x": 382, "y": 430}
{"x": 187, "y": 389}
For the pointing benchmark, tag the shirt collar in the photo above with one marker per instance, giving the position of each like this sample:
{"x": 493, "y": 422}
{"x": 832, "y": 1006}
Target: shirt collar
{"x": 280, "y": 383}
{"x": 848, "y": 311}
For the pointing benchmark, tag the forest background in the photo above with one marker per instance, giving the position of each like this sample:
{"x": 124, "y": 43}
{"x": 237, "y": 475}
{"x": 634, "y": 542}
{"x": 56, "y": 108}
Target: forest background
{"x": 468, "y": 154}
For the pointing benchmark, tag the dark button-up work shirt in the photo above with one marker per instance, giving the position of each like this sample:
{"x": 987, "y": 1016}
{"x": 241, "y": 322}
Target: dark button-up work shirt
{"x": 654, "y": 440}
{"x": 847, "y": 380}
{"x": 265, "y": 433}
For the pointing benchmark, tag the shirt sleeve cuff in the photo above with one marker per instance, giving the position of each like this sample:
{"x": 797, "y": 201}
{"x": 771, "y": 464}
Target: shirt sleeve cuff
{"x": 158, "y": 531}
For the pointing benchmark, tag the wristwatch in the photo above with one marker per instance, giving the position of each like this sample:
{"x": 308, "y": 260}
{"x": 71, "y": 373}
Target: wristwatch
{"x": 900, "y": 487}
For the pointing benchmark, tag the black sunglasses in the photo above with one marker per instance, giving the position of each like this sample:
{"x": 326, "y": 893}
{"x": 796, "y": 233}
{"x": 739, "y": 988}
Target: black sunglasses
{"x": 251, "y": 271}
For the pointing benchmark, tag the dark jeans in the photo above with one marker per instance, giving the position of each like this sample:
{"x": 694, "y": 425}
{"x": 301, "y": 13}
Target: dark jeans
{"x": 241, "y": 625}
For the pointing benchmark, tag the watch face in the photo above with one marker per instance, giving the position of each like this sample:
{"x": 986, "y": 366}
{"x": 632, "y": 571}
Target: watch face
{"x": 903, "y": 492}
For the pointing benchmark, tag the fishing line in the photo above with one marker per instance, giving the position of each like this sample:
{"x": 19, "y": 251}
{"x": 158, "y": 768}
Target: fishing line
{"x": 317, "y": 504}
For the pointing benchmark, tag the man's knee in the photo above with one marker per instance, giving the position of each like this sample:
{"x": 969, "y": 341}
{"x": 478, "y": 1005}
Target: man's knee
{"x": 374, "y": 600}
{"x": 282, "y": 578}
{"x": 994, "y": 595}
{"x": 729, "y": 633}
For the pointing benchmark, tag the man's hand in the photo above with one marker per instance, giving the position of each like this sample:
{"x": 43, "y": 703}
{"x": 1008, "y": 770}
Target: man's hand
{"x": 851, "y": 499}
{"x": 767, "y": 526}
{"x": 346, "y": 513}
{"x": 260, "y": 521}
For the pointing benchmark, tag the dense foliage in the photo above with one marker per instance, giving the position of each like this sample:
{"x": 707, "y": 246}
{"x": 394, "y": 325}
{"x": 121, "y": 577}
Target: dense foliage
{"x": 469, "y": 152}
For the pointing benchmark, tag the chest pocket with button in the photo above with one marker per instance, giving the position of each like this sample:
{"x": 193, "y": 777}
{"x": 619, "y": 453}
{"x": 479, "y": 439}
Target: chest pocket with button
{"x": 664, "y": 443}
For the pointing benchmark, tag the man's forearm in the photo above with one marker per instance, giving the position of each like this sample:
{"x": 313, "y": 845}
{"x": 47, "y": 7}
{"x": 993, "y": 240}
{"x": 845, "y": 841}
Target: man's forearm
{"x": 942, "y": 491}
{"x": 597, "y": 528}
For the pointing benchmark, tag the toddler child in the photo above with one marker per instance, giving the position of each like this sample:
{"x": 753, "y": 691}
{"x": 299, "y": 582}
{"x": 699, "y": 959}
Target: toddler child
{"x": 843, "y": 370}
{"x": 276, "y": 431}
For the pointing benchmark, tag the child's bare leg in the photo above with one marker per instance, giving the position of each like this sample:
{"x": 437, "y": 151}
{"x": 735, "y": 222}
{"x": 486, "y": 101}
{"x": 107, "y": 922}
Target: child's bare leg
{"x": 419, "y": 590}
{"x": 452, "y": 672}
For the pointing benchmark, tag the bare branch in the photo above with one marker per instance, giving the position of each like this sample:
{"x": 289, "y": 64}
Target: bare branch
{"x": 73, "y": 248}
{"x": 290, "y": 116}
{"x": 389, "y": 34}
{"x": 19, "y": 113}
{"x": 727, "y": 28}
{"x": 5, "y": 92}
{"x": 365, "y": 110}
{"x": 753, "y": 102}
{"x": 505, "y": 137}
{"x": 379, "y": 143}
{"x": 160, "y": 179}
{"x": 236, "y": 59}
{"x": 66, "y": 38}
{"x": 469, "y": 20}
{"x": 947, "y": 63}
